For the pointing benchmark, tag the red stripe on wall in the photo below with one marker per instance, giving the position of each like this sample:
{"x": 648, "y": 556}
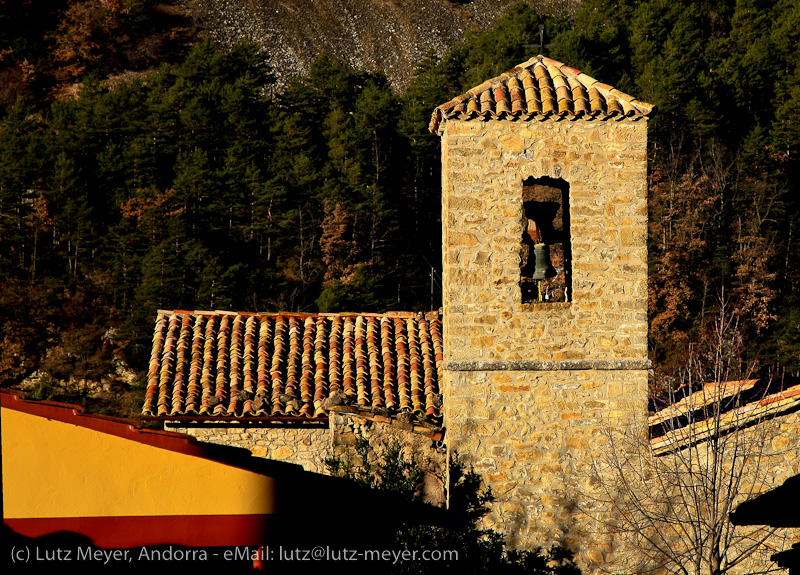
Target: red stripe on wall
{"x": 121, "y": 532}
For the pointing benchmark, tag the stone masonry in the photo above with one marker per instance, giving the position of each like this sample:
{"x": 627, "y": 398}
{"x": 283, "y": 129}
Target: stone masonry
{"x": 424, "y": 452}
{"x": 310, "y": 447}
{"x": 528, "y": 386}
{"x": 767, "y": 454}
{"x": 531, "y": 390}
{"x": 304, "y": 446}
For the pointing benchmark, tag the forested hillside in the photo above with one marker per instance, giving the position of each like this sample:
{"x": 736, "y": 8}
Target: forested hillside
{"x": 195, "y": 185}
{"x": 390, "y": 36}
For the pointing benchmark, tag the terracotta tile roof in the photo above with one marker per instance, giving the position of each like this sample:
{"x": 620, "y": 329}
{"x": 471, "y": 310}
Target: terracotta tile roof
{"x": 694, "y": 417}
{"x": 540, "y": 88}
{"x": 224, "y": 364}
{"x": 681, "y": 402}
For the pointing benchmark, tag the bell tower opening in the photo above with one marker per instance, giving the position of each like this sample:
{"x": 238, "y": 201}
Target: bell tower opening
{"x": 546, "y": 265}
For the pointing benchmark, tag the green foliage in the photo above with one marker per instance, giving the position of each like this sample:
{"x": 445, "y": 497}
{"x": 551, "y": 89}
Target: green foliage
{"x": 598, "y": 42}
{"x": 45, "y": 388}
{"x": 388, "y": 470}
{"x": 189, "y": 187}
{"x": 193, "y": 189}
{"x": 480, "y": 550}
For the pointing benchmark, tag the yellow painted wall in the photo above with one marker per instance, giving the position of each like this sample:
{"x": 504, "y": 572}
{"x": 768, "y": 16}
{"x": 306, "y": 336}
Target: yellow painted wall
{"x": 57, "y": 469}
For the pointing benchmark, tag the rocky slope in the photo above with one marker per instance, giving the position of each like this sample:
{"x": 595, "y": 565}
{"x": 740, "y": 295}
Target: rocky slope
{"x": 387, "y": 35}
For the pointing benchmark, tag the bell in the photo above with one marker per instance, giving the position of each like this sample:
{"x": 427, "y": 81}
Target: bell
{"x": 542, "y": 262}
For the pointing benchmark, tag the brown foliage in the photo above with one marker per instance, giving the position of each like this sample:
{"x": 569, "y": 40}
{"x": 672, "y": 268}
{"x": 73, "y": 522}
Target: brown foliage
{"x": 755, "y": 250}
{"x": 65, "y": 40}
{"x": 711, "y": 225}
{"x": 75, "y": 44}
{"x": 54, "y": 328}
{"x": 151, "y": 208}
{"x": 681, "y": 209}
{"x": 339, "y": 252}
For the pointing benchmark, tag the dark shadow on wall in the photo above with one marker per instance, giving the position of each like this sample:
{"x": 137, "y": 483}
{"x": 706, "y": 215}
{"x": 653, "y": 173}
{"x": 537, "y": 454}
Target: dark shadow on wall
{"x": 321, "y": 522}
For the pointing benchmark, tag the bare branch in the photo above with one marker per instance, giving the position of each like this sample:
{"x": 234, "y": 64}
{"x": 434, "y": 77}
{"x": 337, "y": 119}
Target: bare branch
{"x": 670, "y": 491}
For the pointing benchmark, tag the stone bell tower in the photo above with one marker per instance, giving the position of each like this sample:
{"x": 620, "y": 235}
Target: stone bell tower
{"x": 544, "y": 214}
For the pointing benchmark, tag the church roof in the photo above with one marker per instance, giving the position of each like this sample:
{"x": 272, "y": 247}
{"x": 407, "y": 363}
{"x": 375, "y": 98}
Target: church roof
{"x": 223, "y": 365}
{"x": 684, "y": 416}
{"x": 540, "y": 88}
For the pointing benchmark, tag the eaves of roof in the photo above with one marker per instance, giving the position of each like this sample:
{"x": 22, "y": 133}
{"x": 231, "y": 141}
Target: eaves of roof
{"x": 542, "y": 89}
{"x": 132, "y": 430}
{"x": 692, "y": 421}
{"x": 293, "y": 367}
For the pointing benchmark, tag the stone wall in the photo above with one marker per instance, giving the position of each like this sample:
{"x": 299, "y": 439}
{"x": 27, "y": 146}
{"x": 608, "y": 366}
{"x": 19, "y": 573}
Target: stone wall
{"x": 311, "y": 446}
{"x": 751, "y": 459}
{"x": 484, "y": 165}
{"x": 534, "y": 437}
{"x": 528, "y": 386}
{"x": 782, "y": 448}
{"x": 305, "y": 446}
{"x": 531, "y": 390}
{"x": 427, "y": 453}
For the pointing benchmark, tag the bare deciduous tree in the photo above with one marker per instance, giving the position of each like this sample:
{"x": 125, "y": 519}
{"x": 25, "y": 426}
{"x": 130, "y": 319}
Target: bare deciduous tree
{"x": 671, "y": 489}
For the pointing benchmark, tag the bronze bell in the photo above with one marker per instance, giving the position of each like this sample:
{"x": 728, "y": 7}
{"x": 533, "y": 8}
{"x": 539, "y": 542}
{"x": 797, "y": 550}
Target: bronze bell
{"x": 542, "y": 263}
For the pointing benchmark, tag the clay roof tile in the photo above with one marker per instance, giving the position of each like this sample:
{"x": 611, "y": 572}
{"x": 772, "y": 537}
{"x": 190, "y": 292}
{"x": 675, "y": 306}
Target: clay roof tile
{"x": 225, "y": 365}
{"x": 487, "y": 102}
{"x": 684, "y": 416}
{"x": 548, "y": 88}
